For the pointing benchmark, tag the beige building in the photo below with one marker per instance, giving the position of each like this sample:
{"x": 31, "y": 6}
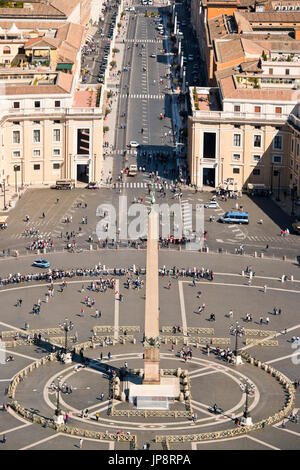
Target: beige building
{"x": 51, "y": 126}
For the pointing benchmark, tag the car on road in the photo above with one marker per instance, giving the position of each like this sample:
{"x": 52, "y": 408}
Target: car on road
{"x": 211, "y": 205}
{"x": 131, "y": 9}
{"x": 191, "y": 57}
{"x": 133, "y": 144}
{"x": 41, "y": 263}
{"x": 296, "y": 227}
{"x": 153, "y": 55}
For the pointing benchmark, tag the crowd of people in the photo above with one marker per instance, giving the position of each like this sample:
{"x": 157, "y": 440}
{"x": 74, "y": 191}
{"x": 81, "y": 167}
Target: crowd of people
{"x": 51, "y": 275}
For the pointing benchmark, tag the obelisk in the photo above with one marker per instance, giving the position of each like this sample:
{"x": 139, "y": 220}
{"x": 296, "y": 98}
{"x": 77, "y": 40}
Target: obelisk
{"x": 151, "y": 339}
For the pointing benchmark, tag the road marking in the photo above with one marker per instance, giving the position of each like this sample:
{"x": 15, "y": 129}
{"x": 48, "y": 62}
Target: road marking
{"x": 16, "y": 428}
{"x": 262, "y": 442}
{"x": 182, "y": 308}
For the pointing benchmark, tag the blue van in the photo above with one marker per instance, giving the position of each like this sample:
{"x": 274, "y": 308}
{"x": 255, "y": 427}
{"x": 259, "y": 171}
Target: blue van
{"x": 235, "y": 218}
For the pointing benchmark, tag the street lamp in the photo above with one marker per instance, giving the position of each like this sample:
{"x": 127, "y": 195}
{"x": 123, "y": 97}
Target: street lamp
{"x": 66, "y": 327}
{"x": 58, "y": 387}
{"x": 249, "y": 389}
{"x": 238, "y": 331}
{"x": 278, "y": 189}
{"x": 16, "y": 169}
{"x": 4, "y": 202}
{"x": 293, "y": 194}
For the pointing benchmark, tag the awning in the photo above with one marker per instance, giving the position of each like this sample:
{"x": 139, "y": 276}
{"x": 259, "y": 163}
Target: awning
{"x": 64, "y": 66}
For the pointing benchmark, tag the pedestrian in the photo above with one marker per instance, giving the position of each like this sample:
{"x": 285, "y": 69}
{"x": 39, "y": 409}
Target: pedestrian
{"x": 230, "y": 314}
{"x": 261, "y": 320}
{"x": 80, "y": 443}
{"x": 4, "y": 439}
{"x": 267, "y": 320}
{"x": 109, "y": 355}
{"x": 97, "y": 416}
{"x": 265, "y": 288}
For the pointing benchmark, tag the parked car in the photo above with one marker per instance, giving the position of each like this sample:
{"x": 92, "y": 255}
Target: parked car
{"x": 211, "y": 205}
{"x": 93, "y": 185}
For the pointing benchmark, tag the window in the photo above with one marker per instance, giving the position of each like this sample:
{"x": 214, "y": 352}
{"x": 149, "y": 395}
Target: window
{"x": 297, "y": 167}
{"x": 56, "y": 121}
{"x": 257, "y": 109}
{"x": 56, "y": 166}
{"x": 37, "y": 104}
{"x": 236, "y": 157}
{"x": 256, "y": 171}
{"x": 56, "y": 135}
{"x": 236, "y": 170}
{"x": 277, "y": 159}
{"x": 36, "y": 153}
{"x": 292, "y": 145}
{"x": 36, "y": 136}
{"x": 36, "y": 122}
{"x": 16, "y": 123}
{"x": 16, "y": 104}
{"x": 16, "y": 137}
{"x": 257, "y": 140}
{"x": 56, "y": 152}
{"x": 37, "y": 167}
{"x": 237, "y": 108}
{"x": 236, "y": 140}
{"x": 270, "y": 71}
{"x": 287, "y": 71}
{"x": 237, "y": 126}
{"x": 16, "y": 154}
{"x": 291, "y": 163}
{"x": 256, "y": 158}
{"x": 277, "y": 143}
{"x": 278, "y": 110}
{"x": 257, "y": 127}
{"x": 57, "y": 104}
{"x": 6, "y": 50}
{"x": 297, "y": 150}
{"x": 17, "y": 168}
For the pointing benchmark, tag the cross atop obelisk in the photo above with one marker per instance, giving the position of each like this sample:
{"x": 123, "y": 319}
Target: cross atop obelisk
{"x": 152, "y": 340}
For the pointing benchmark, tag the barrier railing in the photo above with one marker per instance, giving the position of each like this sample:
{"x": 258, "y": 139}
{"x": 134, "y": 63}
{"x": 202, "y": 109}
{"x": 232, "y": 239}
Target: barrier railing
{"x": 229, "y": 433}
{"x": 266, "y": 333}
{"x": 261, "y": 342}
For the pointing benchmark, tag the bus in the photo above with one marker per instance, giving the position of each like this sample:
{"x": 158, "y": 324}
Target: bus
{"x": 235, "y": 218}
{"x": 64, "y": 184}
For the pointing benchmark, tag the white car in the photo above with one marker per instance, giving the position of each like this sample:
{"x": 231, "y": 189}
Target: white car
{"x": 191, "y": 57}
{"x": 211, "y": 205}
{"x": 133, "y": 144}
{"x": 153, "y": 55}
{"x": 131, "y": 9}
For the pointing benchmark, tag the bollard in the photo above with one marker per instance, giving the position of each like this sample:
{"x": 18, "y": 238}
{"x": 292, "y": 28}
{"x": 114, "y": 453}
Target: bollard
{"x": 117, "y": 246}
{"x": 292, "y": 278}
{"x": 255, "y": 254}
{"x": 282, "y": 278}
{"x": 200, "y": 250}
{"x": 207, "y": 249}
{"x": 179, "y": 248}
{"x": 284, "y": 258}
{"x": 261, "y": 255}
{"x": 91, "y": 247}
{"x": 243, "y": 273}
{"x": 97, "y": 247}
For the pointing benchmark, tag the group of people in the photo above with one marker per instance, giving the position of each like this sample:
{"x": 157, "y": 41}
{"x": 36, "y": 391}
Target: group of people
{"x": 40, "y": 244}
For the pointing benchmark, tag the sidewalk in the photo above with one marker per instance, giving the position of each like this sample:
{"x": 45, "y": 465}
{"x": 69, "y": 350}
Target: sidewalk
{"x": 286, "y": 204}
{"x": 112, "y": 85}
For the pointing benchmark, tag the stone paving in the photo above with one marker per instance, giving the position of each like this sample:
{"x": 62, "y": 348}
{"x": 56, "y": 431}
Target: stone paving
{"x": 212, "y": 380}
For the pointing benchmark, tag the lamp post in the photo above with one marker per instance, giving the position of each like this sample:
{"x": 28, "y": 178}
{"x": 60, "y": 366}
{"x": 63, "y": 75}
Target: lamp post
{"x": 16, "y": 169}
{"x": 66, "y": 326}
{"x": 238, "y": 331}
{"x": 4, "y": 201}
{"x": 249, "y": 389}
{"x": 293, "y": 193}
{"x": 58, "y": 387}
{"x": 278, "y": 189}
